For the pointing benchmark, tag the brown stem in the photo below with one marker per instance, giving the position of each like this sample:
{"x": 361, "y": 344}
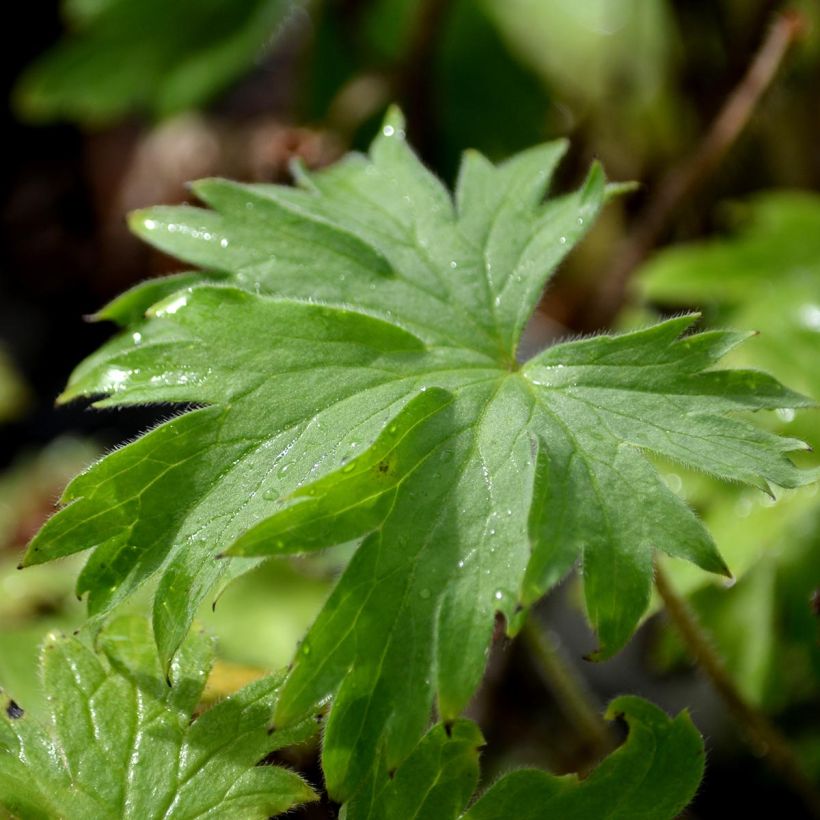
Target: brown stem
{"x": 683, "y": 179}
{"x": 760, "y": 733}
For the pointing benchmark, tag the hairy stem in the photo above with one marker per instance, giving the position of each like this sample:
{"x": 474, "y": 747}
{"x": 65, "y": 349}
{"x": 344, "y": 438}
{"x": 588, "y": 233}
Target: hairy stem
{"x": 759, "y": 732}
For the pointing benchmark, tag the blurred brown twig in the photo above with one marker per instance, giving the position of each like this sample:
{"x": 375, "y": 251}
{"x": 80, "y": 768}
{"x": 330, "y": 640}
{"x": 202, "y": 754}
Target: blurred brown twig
{"x": 691, "y": 172}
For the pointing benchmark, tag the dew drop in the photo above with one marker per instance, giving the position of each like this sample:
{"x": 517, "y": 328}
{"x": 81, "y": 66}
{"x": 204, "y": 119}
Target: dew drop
{"x": 136, "y": 337}
{"x": 173, "y": 306}
{"x": 786, "y": 414}
{"x": 453, "y": 264}
{"x": 388, "y": 130}
{"x": 117, "y": 377}
{"x": 425, "y": 593}
{"x": 674, "y": 482}
{"x": 810, "y": 317}
{"x": 223, "y": 243}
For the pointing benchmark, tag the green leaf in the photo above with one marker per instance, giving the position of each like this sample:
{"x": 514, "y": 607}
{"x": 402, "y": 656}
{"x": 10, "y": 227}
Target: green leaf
{"x": 766, "y": 279}
{"x": 120, "y": 742}
{"x": 436, "y": 780}
{"x": 356, "y": 378}
{"x": 147, "y": 56}
{"x": 591, "y": 50}
{"x": 653, "y": 775}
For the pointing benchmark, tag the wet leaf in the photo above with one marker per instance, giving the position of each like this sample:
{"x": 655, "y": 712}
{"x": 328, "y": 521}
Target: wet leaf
{"x": 120, "y": 743}
{"x": 355, "y": 377}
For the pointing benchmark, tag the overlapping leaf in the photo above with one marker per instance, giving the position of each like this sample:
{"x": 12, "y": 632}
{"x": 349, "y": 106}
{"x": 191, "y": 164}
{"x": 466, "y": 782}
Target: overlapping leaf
{"x": 121, "y": 744}
{"x": 147, "y": 55}
{"x": 653, "y": 775}
{"x": 354, "y": 356}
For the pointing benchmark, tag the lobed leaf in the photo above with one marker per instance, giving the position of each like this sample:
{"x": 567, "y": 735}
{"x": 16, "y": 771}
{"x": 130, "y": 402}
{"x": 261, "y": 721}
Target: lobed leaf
{"x": 120, "y": 742}
{"x": 355, "y": 373}
{"x": 653, "y": 775}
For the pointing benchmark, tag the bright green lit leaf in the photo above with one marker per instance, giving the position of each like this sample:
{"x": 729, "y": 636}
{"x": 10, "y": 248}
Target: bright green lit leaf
{"x": 357, "y": 378}
{"x": 652, "y": 776}
{"x": 120, "y": 742}
{"x": 147, "y": 55}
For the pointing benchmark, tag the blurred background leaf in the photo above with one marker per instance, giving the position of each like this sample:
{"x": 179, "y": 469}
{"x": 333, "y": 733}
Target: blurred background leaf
{"x": 147, "y": 55}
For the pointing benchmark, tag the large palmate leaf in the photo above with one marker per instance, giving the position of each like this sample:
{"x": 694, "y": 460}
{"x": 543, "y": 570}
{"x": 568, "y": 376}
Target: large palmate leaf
{"x": 354, "y": 359}
{"x": 653, "y": 775}
{"x": 120, "y": 742}
{"x": 147, "y": 55}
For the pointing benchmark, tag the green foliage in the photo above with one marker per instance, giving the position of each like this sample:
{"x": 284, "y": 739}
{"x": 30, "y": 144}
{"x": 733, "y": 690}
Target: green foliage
{"x": 654, "y": 774}
{"x": 591, "y": 50}
{"x": 146, "y": 55}
{"x": 431, "y": 442}
{"x": 13, "y": 392}
{"x": 765, "y": 279}
{"x": 353, "y": 359}
{"x": 120, "y": 742}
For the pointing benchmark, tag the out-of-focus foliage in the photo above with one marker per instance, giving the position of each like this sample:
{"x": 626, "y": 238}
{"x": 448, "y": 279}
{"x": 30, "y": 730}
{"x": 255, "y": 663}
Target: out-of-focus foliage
{"x": 597, "y": 51}
{"x": 30, "y": 487}
{"x": 766, "y": 277}
{"x": 13, "y": 393}
{"x": 150, "y": 56}
{"x": 764, "y": 626}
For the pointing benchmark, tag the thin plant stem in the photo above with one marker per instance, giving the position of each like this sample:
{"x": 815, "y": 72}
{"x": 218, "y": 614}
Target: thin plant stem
{"x": 569, "y": 690}
{"x": 759, "y": 732}
{"x": 690, "y": 173}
